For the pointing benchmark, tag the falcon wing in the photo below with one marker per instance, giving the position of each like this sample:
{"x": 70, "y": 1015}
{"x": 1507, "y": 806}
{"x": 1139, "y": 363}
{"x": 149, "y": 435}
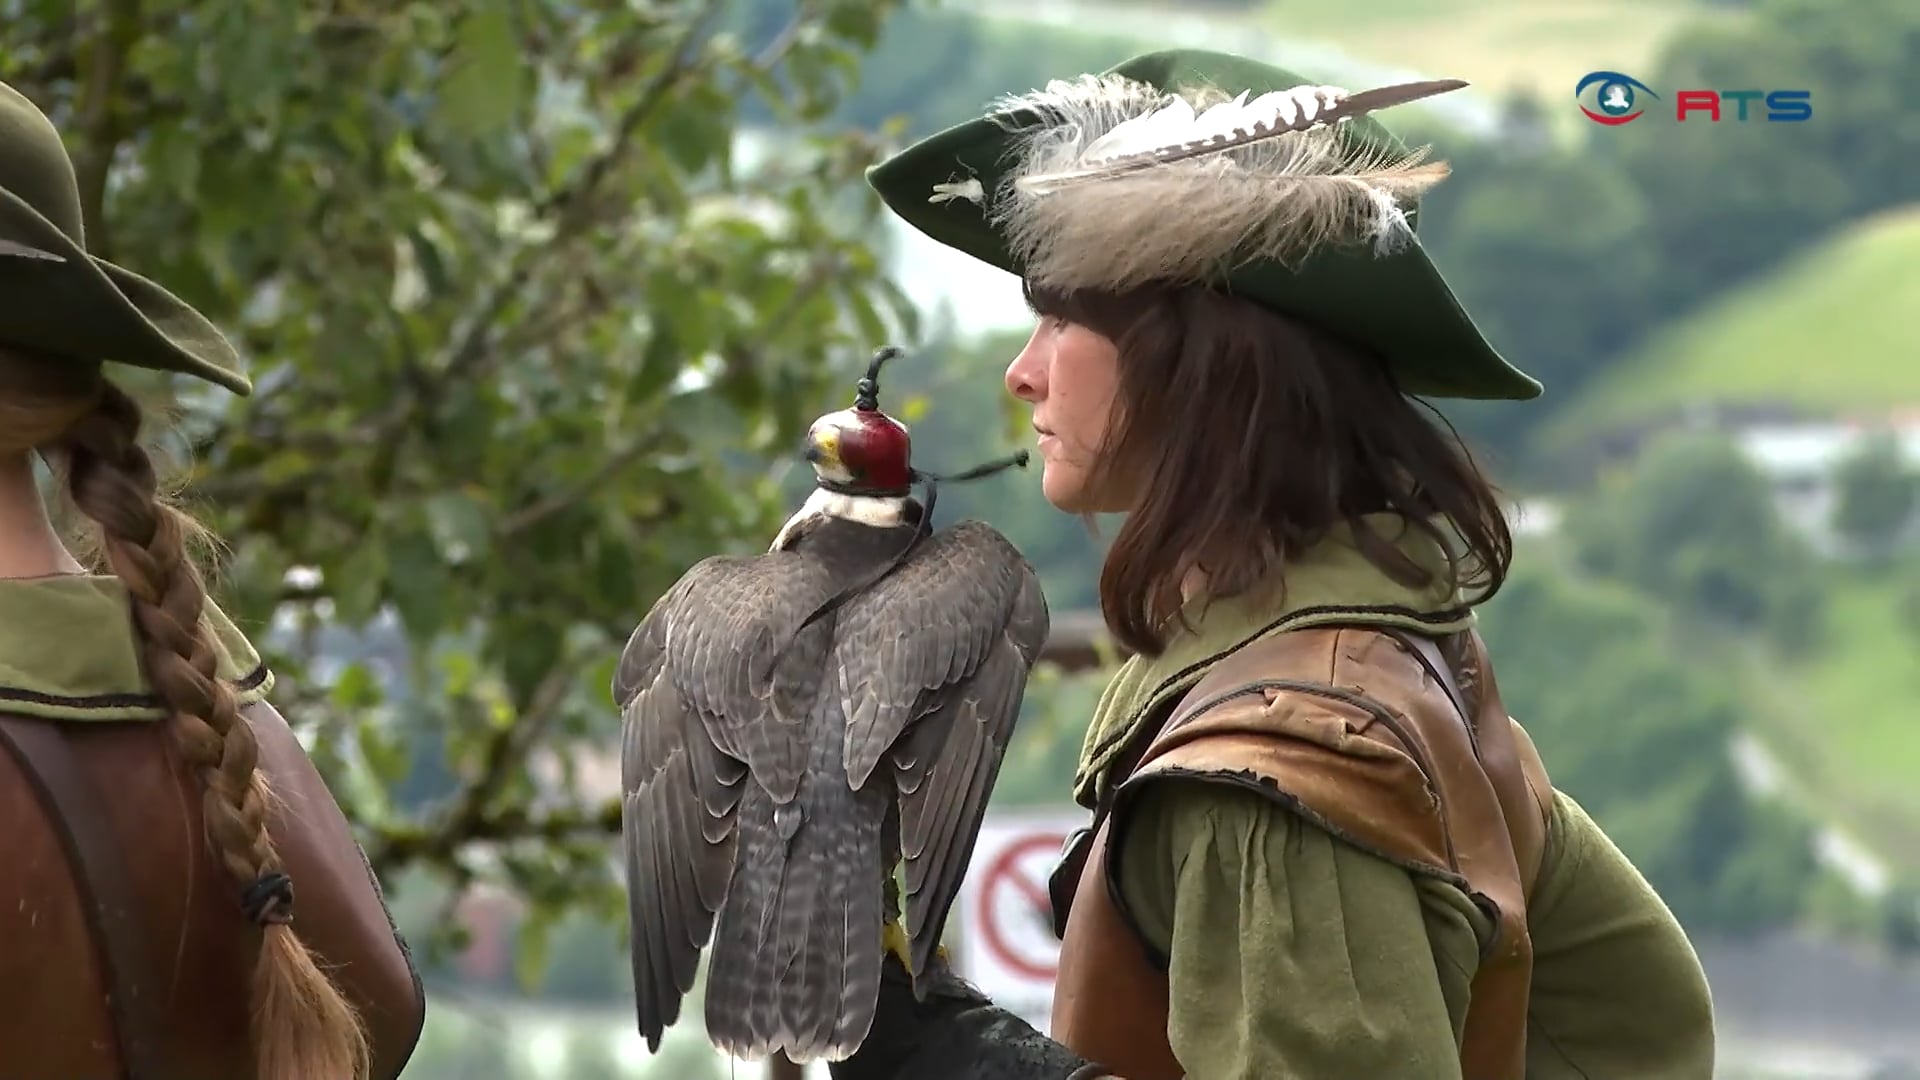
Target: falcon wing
{"x": 933, "y": 661}
{"x": 700, "y": 707}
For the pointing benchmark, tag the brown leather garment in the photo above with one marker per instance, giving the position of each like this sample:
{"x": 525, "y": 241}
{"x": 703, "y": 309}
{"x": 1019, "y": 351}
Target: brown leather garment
{"x": 1363, "y": 732}
{"x": 195, "y": 951}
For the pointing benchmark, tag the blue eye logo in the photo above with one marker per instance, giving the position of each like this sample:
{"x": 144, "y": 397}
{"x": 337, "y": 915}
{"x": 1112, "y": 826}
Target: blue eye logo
{"x": 1616, "y": 100}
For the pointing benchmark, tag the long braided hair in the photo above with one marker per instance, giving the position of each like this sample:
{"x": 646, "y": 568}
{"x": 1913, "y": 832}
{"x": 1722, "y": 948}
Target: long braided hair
{"x": 303, "y": 1028}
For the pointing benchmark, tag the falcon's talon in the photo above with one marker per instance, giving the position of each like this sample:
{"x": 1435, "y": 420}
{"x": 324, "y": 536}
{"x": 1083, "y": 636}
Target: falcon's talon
{"x": 893, "y": 939}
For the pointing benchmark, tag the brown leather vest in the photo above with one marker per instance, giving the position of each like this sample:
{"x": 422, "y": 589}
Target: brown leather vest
{"x": 123, "y": 953}
{"x": 1358, "y": 730}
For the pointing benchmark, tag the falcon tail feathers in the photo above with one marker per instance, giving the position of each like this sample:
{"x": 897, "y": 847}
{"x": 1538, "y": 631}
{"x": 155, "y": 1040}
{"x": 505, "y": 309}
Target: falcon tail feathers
{"x": 796, "y": 953}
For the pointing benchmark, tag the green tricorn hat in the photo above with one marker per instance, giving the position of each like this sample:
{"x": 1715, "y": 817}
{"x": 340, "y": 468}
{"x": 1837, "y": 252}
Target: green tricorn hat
{"x": 56, "y": 299}
{"x": 1197, "y": 167}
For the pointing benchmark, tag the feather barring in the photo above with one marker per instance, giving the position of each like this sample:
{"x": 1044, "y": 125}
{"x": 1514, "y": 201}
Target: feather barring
{"x": 1121, "y": 184}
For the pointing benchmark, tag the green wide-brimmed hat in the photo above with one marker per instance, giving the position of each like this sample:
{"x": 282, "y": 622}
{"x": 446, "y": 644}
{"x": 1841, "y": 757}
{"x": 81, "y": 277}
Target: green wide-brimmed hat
{"x": 56, "y": 299}
{"x": 1196, "y": 167}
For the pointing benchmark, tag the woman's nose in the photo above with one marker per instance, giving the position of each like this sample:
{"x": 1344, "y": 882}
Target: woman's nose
{"x": 1027, "y": 375}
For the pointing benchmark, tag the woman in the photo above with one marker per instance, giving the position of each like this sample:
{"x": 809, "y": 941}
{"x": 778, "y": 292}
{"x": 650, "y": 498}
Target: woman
{"x": 1320, "y": 846}
{"x": 157, "y": 817}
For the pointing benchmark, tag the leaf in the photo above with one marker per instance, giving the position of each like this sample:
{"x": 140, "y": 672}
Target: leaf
{"x": 533, "y": 949}
{"x": 420, "y": 584}
{"x": 357, "y": 689}
{"x": 566, "y": 150}
{"x": 485, "y": 84}
{"x": 872, "y": 327}
{"x": 659, "y": 363}
{"x": 383, "y": 750}
{"x": 694, "y": 130}
{"x": 458, "y": 669}
{"x": 432, "y": 265}
{"x": 526, "y": 651}
{"x": 462, "y": 528}
{"x": 857, "y": 22}
{"x": 360, "y": 583}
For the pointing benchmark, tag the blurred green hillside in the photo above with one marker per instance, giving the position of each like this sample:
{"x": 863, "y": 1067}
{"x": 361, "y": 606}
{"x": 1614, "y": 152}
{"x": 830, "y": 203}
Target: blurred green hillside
{"x": 1830, "y": 331}
{"x": 1844, "y": 714}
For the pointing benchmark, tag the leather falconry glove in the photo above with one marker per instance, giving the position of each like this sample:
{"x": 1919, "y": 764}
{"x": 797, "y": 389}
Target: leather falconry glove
{"x": 955, "y": 1033}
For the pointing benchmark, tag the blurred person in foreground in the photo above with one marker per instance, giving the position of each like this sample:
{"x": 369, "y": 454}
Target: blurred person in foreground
{"x": 1320, "y": 847}
{"x": 158, "y": 819}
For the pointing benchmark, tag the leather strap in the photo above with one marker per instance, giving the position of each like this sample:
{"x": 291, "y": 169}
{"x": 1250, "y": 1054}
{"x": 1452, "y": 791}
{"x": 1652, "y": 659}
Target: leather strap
{"x": 100, "y": 873}
{"x": 1427, "y": 651}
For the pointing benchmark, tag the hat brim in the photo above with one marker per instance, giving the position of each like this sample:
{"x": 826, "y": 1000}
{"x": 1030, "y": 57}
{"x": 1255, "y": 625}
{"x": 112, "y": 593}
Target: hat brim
{"x": 1398, "y": 305}
{"x": 63, "y": 301}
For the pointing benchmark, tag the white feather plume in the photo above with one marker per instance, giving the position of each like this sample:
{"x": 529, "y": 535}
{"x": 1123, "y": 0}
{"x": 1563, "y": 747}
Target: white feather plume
{"x": 1121, "y": 184}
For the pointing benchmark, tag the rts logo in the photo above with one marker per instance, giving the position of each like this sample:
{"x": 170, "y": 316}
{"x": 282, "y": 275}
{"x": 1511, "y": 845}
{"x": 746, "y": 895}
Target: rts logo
{"x": 1617, "y": 103}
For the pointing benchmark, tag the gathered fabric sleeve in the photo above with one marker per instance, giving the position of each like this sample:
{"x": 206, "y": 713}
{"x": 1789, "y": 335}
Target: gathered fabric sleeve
{"x": 1617, "y": 988}
{"x": 1292, "y": 953}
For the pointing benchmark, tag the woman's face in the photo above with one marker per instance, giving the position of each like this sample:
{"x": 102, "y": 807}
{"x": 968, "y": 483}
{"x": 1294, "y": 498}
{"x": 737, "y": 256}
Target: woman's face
{"x": 1070, "y": 375}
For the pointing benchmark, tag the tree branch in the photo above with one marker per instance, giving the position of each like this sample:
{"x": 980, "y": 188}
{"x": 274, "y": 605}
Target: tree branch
{"x": 784, "y": 41}
{"x": 529, "y": 516}
{"x": 572, "y": 200}
{"x": 473, "y": 815}
{"x": 393, "y": 847}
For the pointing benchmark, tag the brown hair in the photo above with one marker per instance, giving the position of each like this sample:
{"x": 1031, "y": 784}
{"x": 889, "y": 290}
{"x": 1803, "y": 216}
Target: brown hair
{"x": 302, "y": 1026}
{"x": 1249, "y": 435}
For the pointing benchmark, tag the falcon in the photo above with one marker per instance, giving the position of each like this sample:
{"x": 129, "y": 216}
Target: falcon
{"x": 797, "y": 725}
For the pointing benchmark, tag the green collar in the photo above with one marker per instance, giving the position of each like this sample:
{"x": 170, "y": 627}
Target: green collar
{"x": 68, "y": 652}
{"x": 1331, "y": 582}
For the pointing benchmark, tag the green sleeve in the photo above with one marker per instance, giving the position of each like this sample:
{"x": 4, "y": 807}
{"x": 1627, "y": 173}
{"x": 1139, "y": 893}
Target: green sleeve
{"x": 1617, "y": 988}
{"x": 1293, "y": 953}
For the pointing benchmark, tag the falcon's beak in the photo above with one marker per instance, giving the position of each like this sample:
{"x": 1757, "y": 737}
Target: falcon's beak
{"x": 823, "y": 448}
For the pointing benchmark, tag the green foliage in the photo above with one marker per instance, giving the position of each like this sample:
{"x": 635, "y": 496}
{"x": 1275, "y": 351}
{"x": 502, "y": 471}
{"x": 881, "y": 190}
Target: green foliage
{"x": 524, "y": 335}
{"x": 1816, "y": 333}
{"x": 1693, "y": 523}
{"x": 1561, "y": 300}
{"x": 1733, "y": 198}
{"x": 1571, "y": 253}
{"x": 1878, "y": 492}
{"x": 979, "y": 58}
{"x": 1842, "y": 713}
{"x": 1642, "y": 738}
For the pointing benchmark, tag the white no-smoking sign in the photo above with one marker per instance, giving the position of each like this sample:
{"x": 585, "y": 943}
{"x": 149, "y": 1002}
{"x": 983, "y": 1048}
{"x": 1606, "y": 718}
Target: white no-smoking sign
{"x": 1007, "y": 947}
